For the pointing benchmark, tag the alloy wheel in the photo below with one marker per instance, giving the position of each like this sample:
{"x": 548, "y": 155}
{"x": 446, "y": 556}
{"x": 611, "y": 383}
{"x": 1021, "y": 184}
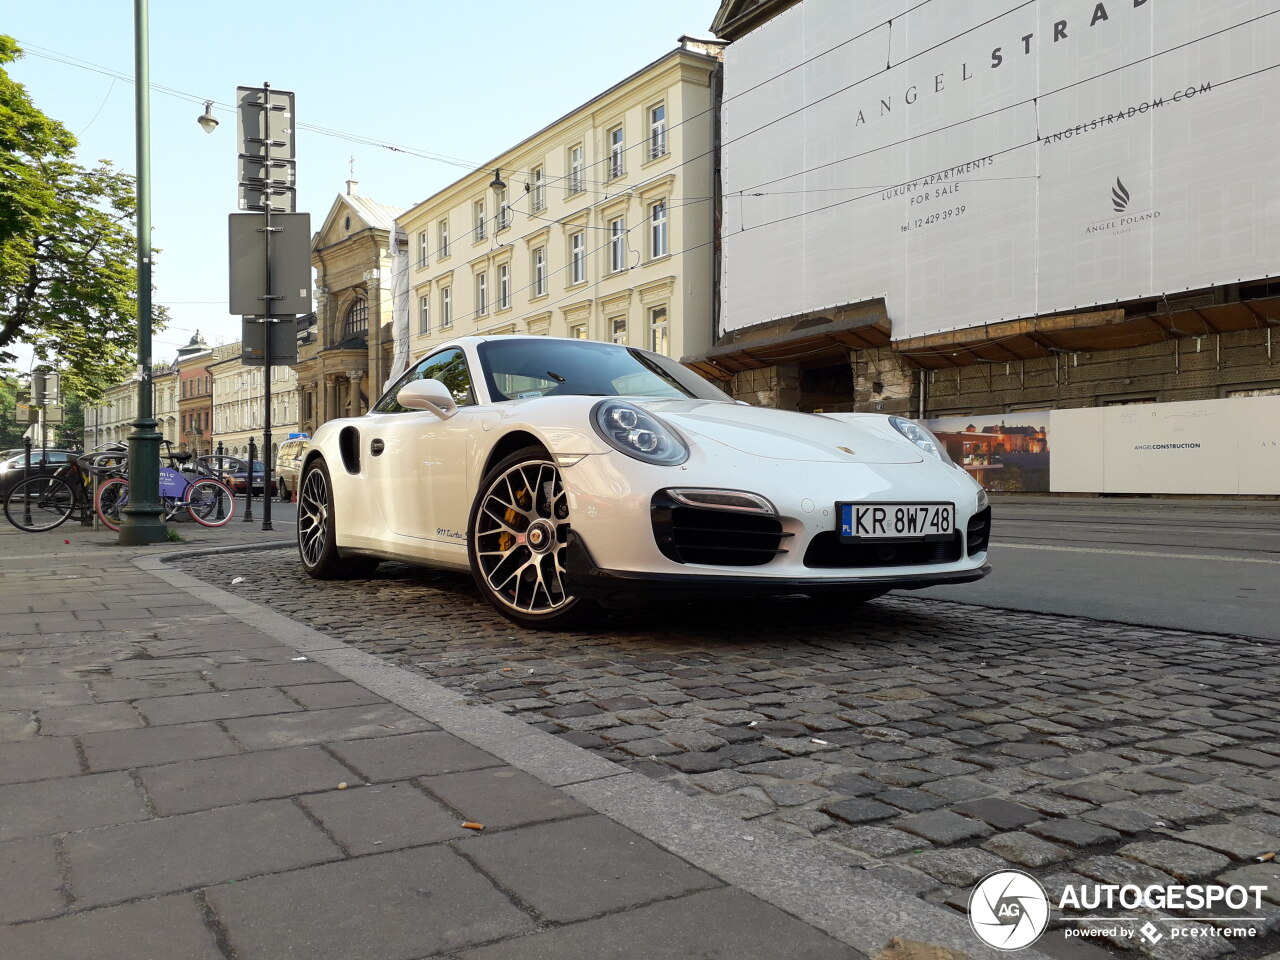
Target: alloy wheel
{"x": 313, "y": 517}
{"x": 520, "y": 532}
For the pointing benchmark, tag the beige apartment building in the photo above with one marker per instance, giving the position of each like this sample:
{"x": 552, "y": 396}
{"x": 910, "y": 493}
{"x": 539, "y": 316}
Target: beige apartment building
{"x": 111, "y": 418}
{"x": 598, "y": 226}
{"x": 238, "y": 404}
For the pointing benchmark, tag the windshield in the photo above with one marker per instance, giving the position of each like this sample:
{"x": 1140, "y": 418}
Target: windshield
{"x": 517, "y": 369}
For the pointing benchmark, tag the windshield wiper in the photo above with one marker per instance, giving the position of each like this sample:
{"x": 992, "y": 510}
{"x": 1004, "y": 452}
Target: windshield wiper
{"x": 556, "y": 377}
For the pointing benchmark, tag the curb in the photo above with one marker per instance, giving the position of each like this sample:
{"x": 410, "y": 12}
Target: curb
{"x": 846, "y": 904}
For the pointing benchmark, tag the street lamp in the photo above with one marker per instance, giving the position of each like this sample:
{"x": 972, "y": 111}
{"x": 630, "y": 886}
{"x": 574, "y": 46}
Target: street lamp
{"x": 142, "y": 524}
{"x": 208, "y": 122}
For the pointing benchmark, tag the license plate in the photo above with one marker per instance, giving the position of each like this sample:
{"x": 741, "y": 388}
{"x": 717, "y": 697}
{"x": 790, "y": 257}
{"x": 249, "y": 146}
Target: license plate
{"x": 896, "y": 521}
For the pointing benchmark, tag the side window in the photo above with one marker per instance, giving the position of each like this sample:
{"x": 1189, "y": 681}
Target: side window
{"x": 447, "y": 366}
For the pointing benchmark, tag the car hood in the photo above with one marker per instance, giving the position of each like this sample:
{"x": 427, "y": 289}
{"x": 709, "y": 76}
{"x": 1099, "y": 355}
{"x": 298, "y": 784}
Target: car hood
{"x": 784, "y": 434}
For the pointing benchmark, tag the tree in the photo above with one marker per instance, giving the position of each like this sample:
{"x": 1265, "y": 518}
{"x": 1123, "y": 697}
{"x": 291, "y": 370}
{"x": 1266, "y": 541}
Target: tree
{"x": 10, "y": 430}
{"x": 67, "y": 249}
{"x": 70, "y": 433}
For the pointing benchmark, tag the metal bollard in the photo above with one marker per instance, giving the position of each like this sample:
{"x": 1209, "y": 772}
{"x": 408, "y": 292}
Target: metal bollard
{"x": 248, "y": 483}
{"x": 26, "y": 475}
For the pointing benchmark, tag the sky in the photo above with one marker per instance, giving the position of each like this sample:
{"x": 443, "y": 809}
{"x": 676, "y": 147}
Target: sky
{"x": 456, "y": 80}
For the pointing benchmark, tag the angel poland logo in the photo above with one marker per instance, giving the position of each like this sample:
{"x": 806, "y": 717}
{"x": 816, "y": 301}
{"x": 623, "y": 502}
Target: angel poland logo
{"x": 1008, "y": 910}
{"x": 1119, "y": 197}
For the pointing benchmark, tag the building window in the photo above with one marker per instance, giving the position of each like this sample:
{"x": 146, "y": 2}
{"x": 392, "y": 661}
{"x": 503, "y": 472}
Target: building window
{"x": 422, "y": 249}
{"x": 618, "y": 329}
{"x": 617, "y": 150}
{"x": 357, "y": 320}
{"x": 578, "y": 257}
{"x": 477, "y": 217}
{"x": 504, "y": 211}
{"x": 539, "y": 271}
{"x": 578, "y": 331}
{"x": 482, "y": 293}
{"x": 617, "y": 245}
{"x": 442, "y": 228}
{"x": 657, "y": 130}
{"x": 538, "y": 189}
{"x": 658, "y": 230}
{"x": 1251, "y": 390}
{"x": 575, "y": 169}
{"x": 504, "y": 286}
{"x": 446, "y": 307}
{"x": 424, "y": 314}
{"x": 659, "y": 331}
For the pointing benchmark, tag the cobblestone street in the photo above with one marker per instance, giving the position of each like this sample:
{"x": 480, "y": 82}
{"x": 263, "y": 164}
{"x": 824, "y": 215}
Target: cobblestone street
{"x": 927, "y": 741}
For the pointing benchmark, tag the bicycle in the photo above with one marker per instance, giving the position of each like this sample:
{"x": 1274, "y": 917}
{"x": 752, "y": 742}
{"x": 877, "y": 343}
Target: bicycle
{"x": 205, "y": 500}
{"x": 44, "y": 502}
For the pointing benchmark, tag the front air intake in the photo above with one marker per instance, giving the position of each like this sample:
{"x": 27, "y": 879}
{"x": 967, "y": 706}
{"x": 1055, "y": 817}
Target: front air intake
{"x": 725, "y": 538}
{"x": 826, "y": 550}
{"x": 978, "y": 533}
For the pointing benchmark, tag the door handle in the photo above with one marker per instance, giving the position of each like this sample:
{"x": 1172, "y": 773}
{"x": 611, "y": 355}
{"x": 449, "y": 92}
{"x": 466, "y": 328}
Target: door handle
{"x": 376, "y": 447}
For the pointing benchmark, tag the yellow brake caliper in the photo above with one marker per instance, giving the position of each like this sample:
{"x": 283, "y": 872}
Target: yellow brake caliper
{"x": 505, "y": 540}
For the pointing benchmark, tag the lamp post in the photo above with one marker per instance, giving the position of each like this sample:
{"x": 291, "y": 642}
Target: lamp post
{"x": 142, "y": 524}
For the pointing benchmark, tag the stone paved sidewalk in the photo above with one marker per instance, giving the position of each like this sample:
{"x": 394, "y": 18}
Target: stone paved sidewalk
{"x": 184, "y": 775}
{"x": 923, "y": 743}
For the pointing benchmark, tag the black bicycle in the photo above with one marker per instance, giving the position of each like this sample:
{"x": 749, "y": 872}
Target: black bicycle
{"x": 47, "y": 501}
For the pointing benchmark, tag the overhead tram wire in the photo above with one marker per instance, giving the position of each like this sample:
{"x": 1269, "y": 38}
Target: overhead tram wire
{"x": 67, "y": 59}
{"x": 1010, "y": 106}
{"x": 71, "y": 61}
{"x": 644, "y": 142}
{"x": 45, "y": 53}
{"x": 769, "y": 223}
{"x": 941, "y": 43}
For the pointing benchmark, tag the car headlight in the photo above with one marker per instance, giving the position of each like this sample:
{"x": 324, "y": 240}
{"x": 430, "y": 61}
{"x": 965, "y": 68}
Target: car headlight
{"x": 922, "y": 438}
{"x": 983, "y": 499}
{"x": 632, "y": 431}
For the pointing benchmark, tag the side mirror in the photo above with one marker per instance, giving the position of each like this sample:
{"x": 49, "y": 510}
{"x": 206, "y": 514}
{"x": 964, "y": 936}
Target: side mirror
{"x": 429, "y": 395}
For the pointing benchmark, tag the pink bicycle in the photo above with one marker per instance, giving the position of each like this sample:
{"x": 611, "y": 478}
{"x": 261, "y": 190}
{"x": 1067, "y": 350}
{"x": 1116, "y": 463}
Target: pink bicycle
{"x": 205, "y": 500}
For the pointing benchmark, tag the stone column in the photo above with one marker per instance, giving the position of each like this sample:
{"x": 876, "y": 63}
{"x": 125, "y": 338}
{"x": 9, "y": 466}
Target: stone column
{"x": 353, "y": 380}
{"x": 883, "y": 382}
{"x": 329, "y": 409}
{"x": 787, "y": 380}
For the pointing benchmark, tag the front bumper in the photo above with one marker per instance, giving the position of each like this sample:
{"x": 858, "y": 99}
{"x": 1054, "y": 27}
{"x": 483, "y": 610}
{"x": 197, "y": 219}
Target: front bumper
{"x": 615, "y": 509}
{"x": 622, "y": 588}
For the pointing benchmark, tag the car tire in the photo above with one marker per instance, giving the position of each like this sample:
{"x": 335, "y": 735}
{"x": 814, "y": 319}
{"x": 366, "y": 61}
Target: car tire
{"x": 317, "y": 531}
{"x": 517, "y": 553}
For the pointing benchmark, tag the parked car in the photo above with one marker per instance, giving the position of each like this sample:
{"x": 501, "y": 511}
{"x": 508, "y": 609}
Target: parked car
{"x": 43, "y": 463}
{"x": 289, "y": 465}
{"x": 572, "y": 474}
{"x": 239, "y": 480}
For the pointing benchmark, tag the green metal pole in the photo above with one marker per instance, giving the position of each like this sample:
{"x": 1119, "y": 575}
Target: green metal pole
{"x": 142, "y": 523}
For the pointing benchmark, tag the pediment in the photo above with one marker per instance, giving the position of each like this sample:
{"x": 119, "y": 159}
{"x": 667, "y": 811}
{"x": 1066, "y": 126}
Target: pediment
{"x": 737, "y": 17}
{"x": 351, "y": 214}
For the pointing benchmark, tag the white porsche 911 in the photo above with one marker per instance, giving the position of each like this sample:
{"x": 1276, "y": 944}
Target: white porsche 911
{"x": 567, "y": 475}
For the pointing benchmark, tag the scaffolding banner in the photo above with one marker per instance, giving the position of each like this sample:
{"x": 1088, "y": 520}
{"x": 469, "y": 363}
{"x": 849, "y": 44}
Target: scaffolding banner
{"x": 992, "y": 160}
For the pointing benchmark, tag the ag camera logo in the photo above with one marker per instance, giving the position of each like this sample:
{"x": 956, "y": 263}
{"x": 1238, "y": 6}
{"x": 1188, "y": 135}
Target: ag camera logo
{"x": 1008, "y": 910}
